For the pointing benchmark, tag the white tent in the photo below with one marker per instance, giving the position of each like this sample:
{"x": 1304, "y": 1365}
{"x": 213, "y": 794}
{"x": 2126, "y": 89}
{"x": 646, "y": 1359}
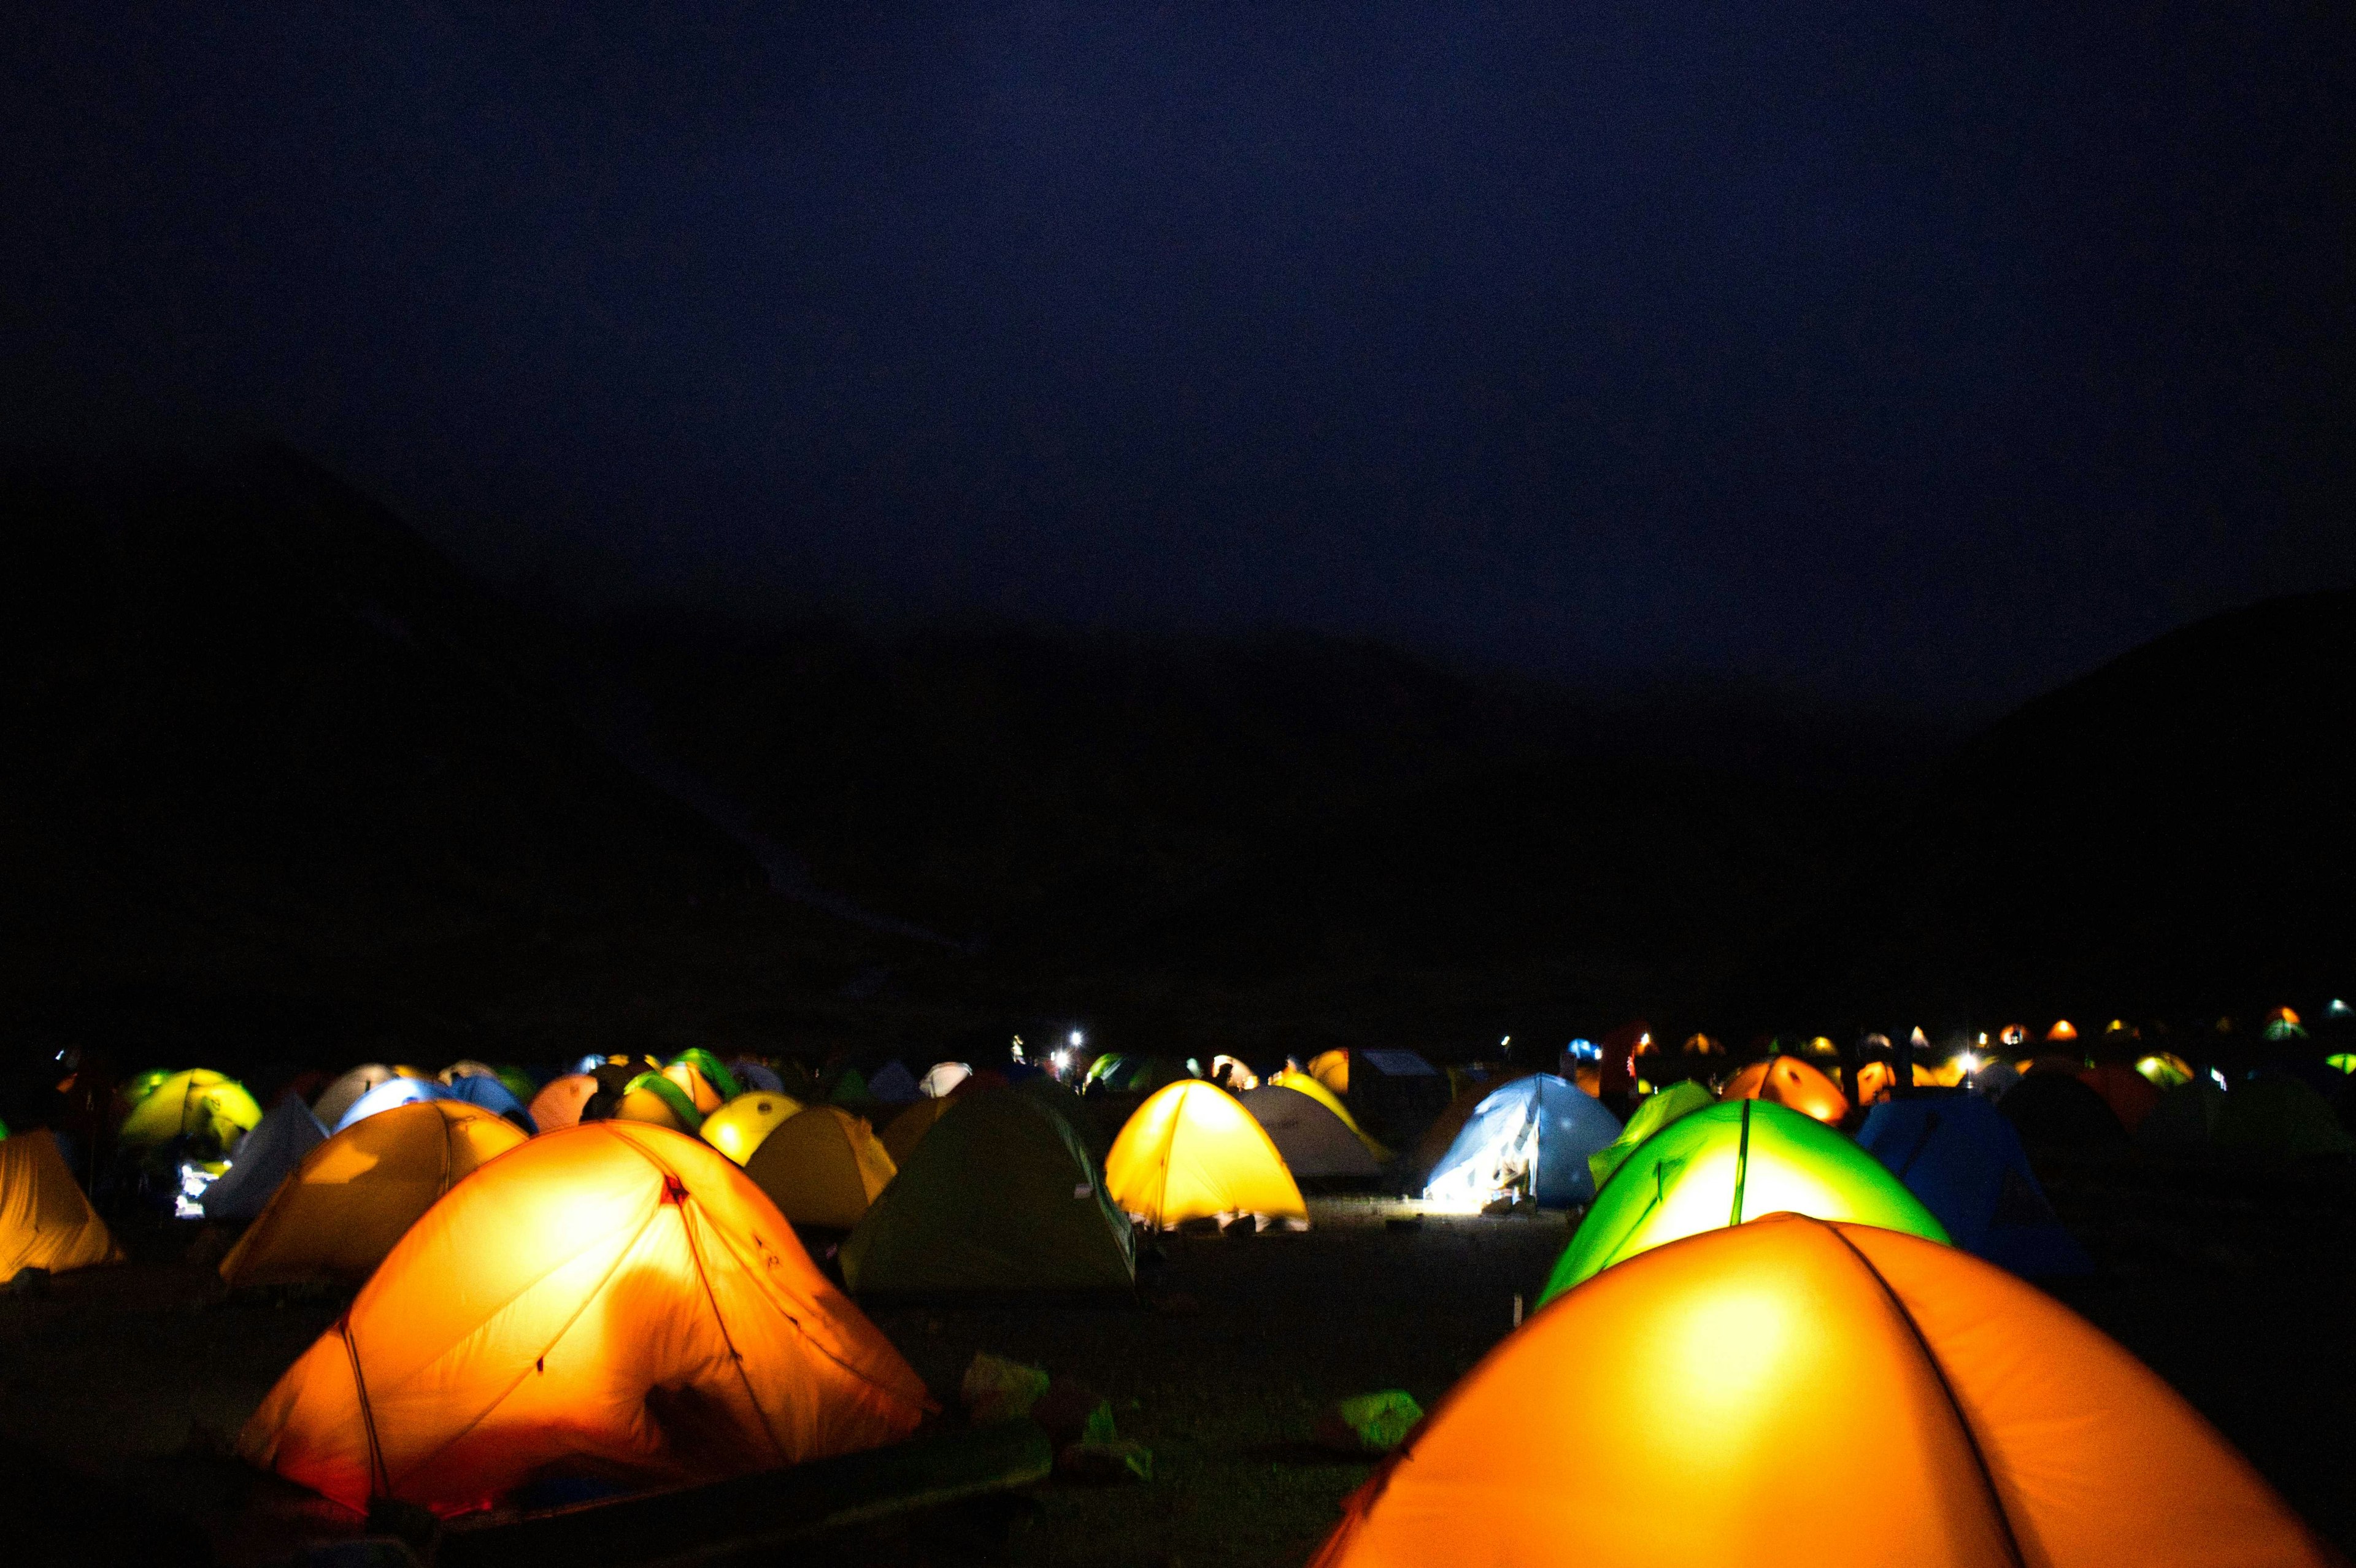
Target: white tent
{"x": 262, "y": 1160}
{"x": 345, "y": 1091}
{"x": 1313, "y": 1141}
{"x": 943, "y": 1077}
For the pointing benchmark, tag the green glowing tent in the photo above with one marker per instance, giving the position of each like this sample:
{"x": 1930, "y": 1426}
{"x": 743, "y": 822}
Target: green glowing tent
{"x": 1678, "y": 1100}
{"x": 1732, "y": 1162}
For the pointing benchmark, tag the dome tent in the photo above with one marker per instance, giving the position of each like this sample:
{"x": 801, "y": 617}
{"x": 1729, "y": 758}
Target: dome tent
{"x": 491, "y": 1093}
{"x": 942, "y": 1078}
{"x": 1960, "y": 1156}
{"x": 345, "y": 1091}
{"x": 265, "y": 1158}
{"x": 45, "y": 1222}
{"x": 1732, "y": 1163}
{"x": 389, "y": 1094}
{"x": 2277, "y": 1116}
{"x": 1193, "y": 1152}
{"x": 2184, "y": 1118}
{"x": 354, "y": 1197}
{"x": 822, "y": 1167}
{"x": 1788, "y": 1080}
{"x": 999, "y": 1198}
{"x": 737, "y": 1128}
{"x": 1311, "y": 1140}
{"x": 1999, "y": 1427}
{"x": 560, "y": 1101}
{"x": 2051, "y": 1110}
{"x": 894, "y": 1085}
{"x": 1303, "y": 1083}
{"x": 1059, "y": 1098}
{"x": 209, "y": 1109}
{"x": 1535, "y": 1134}
{"x": 613, "y": 1301}
{"x": 1654, "y": 1113}
{"x": 658, "y": 1100}
{"x": 907, "y": 1129}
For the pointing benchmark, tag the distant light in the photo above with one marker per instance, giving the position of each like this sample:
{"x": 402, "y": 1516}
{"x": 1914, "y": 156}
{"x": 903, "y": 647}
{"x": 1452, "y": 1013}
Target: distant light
{"x": 188, "y": 1203}
{"x": 1506, "y": 1040}
{"x": 1062, "y": 1059}
{"x": 1643, "y": 1040}
{"x": 1969, "y": 1061}
{"x": 1983, "y": 1036}
{"x": 2220, "y": 1077}
{"x": 1077, "y": 1037}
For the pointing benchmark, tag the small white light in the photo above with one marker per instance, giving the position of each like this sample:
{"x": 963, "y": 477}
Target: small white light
{"x": 2220, "y": 1077}
{"x": 1077, "y": 1037}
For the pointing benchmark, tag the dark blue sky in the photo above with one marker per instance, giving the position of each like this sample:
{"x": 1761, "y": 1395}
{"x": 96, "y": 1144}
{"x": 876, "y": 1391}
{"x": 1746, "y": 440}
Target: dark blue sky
{"x": 1910, "y": 354}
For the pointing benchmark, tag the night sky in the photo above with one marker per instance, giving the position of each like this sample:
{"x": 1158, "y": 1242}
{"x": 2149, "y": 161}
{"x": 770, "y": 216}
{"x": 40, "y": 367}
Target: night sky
{"x": 1911, "y": 355}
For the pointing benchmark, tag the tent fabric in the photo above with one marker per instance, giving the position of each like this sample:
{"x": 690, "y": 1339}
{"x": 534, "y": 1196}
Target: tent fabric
{"x": 352, "y": 1198}
{"x": 2279, "y": 1117}
{"x": 658, "y": 1100}
{"x": 1332, "y": 1068}
{"x": 1317, "y": 1091}
{"x": 612, "y": 1301}
{"x": 1994, "y": 1079}
{"x": 1721, "y": 1167}
{"x": 907, "y": 1129}
{"x": 850, "y": 1089}
{"x": 345, "y": 1091}
{"x": 737, "y": 1128}
{"x": 2053, "y": 1110}
{"x": 469, "y": 1068}
{"x": 1654, "y": 1113}
{"x": 265, "y": 1158}
{"x": 1790, "y": 1081}
{"x": 1534, "y": 1136}
{"x": 389, "y": 1094}
{"x": 209, "y": 1109}
{"x": 822, "y": 1167}
{"x": 559, "y": 1104}
{"x": 701, "y": 1091}
{"x": 893, "y": 1085}
{"x": 45, "y": 1222}
{"x": 1059, "y": 1098}
{"x": 943, "y": 1077}
{"x": 1310, "y": 1139}
{"x": 757, "y": 1075}
{"x": 1986, "y": 1425}
{"x": 2184, "y": 1118}
{"x": 1191, "y": 1151}
{"x": 999, "y": 1198}
{"x": 1433, "y": 1146}
{"x": 2165, "y": 1070}
{"x": 492, "y": 1095}
{"x": 1959, "y": 1156}
{"x": 2128, "y": 1094}
{"x": 720, "y": 1081}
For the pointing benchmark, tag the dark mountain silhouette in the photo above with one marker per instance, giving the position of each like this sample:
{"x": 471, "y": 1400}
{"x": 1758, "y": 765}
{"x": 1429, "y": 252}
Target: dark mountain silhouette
{"x": 2172, "y": 834}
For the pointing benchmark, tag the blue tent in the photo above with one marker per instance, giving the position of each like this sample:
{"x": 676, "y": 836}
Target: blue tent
{"x": 482, "y": 1089}
{"x": 1533, "y": 1134}
{"x": 1959, "y": 1156}
{"x": 395, "y": 1092}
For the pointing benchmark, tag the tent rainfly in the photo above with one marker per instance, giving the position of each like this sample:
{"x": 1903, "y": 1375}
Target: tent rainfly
{"x": 1533, "y": 1137}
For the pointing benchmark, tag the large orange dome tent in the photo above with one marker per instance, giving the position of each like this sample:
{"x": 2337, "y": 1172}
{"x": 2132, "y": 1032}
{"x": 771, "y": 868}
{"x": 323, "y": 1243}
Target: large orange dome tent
{"x": 1193, "y": 1152}
{"x": 1986, "y": 1424}
{"x": 1788, "y": 1080}
{"x": 45, "y": 1220}
{"x": 613, "y": 1301}
{"x": 354, "y": 1197}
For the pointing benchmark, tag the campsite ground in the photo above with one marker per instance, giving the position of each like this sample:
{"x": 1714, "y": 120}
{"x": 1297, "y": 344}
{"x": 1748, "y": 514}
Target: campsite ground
{"x": 118, "y": 1386}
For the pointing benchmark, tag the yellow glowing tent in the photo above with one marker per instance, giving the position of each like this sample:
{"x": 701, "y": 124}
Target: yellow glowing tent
{"x": 658, "y": 1101}
{"x": 613, "y": 1301}
{"x": 1191, "y": 1152}
{"x": 1332, "y": 1068}
{"x": 1662, "y": 1413}
{"x": 822, "y": 1167}
{"x": 211, "y": 1109}
{"x": 737, "y": 1128}
{"x": 355, "y": 1196}
{"x": 45, "y": 1220}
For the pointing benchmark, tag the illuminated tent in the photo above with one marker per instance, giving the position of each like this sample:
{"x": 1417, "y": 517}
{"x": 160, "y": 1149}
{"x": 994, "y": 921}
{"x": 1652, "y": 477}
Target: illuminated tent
{"x": 389, "y": 1094}
{"x": 2344, "y": 1061}
{"x": 691, "y": 1081}
{"x": 658, "y": 1100}
{"x": 1728, "y": 1164}
{"x": 1875, "y": 1082}
{"x": 1984, "y": 1426}
{"x": 1431, "y": 1147}
{"x": 737, "y": 1128}
{"x": 1332, "y": 1068}
{"x": 2062, "y": 1029}
{"x": 2283, "y": 1023}
{"x": 1535, "y": 1136}
{"x": 2165, "y": 1070}
{"x": 45, "y": 1220}
{"x": 211, "y": 1110}
{"x": 1994, "y": 1079}
{"x": 265, "y": 1157}
{"x": 894, "y": 1085}
{"x": 559, "y": 1104}
{"x": 2279, "y": 1117}
{"x": 345, "y": 1091}
{"x": 942, "y": 1078}
{"x": 353, "y": 1196}
{"x": 1787, "y": 1081}
{"x": 1310, "y": 1139}
{"x": 469, "y": 1068}
{"x": 822, "y": 1167}
{"x": 718, "y": 1079}
{"x": 492, "y": 1095}
{"x": 613, "y": 1301}
{"x": 1652, "y": 1112}
{"x": 1193, "y": 1152}
{"x": 1960, "y": 1156}
{"x": 999, "y": 1198}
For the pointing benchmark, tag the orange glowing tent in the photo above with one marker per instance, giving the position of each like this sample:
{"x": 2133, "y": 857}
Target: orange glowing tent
{"x": 613, "y": 1301}
{"x": 1193, "y": 1152}
{"x": 697, "y": 1085}
{"x": 1788, "y": 1080}
{"x": 822, "y": 1167}
{"x": 45, "y": 1220}
{"x": 1332, "y": 1068}
{"x": 355, "y": 1196}
{"x": 559, "y": 1104}
{"x": 1998, "y": 1427}
{"x": 656, "y": 1099}
{"x": 2062, "y": 1029}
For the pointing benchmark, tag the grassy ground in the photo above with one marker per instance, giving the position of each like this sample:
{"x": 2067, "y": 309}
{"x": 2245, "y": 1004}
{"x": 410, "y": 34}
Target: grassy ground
{"x": 118, "y": 1386}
